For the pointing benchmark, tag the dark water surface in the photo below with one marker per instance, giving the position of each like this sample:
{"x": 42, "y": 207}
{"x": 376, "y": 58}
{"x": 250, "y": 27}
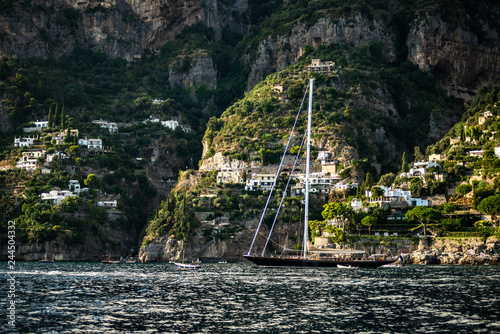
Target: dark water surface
{"x": 243, "y": 298}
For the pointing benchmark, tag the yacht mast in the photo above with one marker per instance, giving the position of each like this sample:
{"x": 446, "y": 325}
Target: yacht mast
{"x": 308, "y": 158}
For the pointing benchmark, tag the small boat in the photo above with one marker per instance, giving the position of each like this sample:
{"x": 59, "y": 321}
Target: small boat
{"x": 194, "y": 265}
{"x": 46, "y": 260}
{"x": 340, "y": 266}
{"x": 111, "y": 261}
{"x": 392, "y": 265}
{"x": 223, "y": 261}
{"x": 130, "y": 260}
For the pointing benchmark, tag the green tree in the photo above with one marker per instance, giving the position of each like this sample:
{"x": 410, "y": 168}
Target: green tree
{"x": 377, "y": 192}
{"x": 63, "y": 119}
{"x": 404, "y": 166}
{"x": 90, "y": 180}
{"x": 50, "y": 118}
{"x": 56, "y": 116}
{"x": 369, "y": 221}
{"x": 387, "y": 180}
{"x": 490, "y": 205}
{"x": 333, "y": 210}
{"x": 418, "y": 155}
{"x": 463, "y": 189}
{"x": 424, "y": 215}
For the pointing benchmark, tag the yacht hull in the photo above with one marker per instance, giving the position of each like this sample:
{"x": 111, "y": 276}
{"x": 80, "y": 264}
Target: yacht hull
{"x": 314, "y": 263}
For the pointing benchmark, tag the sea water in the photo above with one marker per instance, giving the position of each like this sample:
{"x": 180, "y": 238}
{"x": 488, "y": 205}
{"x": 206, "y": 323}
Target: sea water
{"x": 64, "y": 297}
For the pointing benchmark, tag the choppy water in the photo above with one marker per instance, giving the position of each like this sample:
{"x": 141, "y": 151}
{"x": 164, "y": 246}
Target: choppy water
{"x": 243, "y": 298}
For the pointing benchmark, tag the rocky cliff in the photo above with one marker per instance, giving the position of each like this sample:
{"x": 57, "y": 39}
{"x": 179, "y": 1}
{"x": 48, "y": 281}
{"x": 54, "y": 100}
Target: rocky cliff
{"x": 275, "y": 54}
{"x": 446, "y": 251}
{"x": 462, "y": 51}
{"x": 462, "y": 61}
{"x": 120, "y": 28}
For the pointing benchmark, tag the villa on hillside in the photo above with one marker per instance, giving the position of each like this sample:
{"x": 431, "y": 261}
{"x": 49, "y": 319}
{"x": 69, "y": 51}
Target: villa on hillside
{"x": 260, "y": 182}
{"x": 483, "y": 117}
{"x": 58, "y": 155}
{"x": 111, "y": 126}
{"x": 24, "y": 141}
{"x": 394, "y": 198}
{"x": 344, "y": 186}
{"x": 322, "y": 67}
{"x": 319, "y": 183}
{"x": 437, "y": 157}
{"x": 74, "y": 186}
{"x": 56, "y": 196}
{"x": 37, "y": 126}
{"x": 171, "y": 124}
{"x": 476, "y": 153}
{"x": 27, "y": 162}
{"x": 34, "y": 153}
{"x": 108, "y": 204}
{"x": 227, "y": 175}
{"x": 420, "y": 168}
{"x": 92, "y": 144}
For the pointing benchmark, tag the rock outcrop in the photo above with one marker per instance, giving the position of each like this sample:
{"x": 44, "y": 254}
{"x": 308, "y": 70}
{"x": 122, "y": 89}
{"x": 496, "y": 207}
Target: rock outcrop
{"x": 460, "y": 62}
{"x": 120, "y": 28}
{"x": 444, "y": 251}
{"x": 449, "y": 251}
{"x": 92, "y": 247}
{"x": 273, "y": 56}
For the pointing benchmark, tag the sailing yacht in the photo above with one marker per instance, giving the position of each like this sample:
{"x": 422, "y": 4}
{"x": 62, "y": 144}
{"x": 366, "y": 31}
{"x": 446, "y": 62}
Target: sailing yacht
{"x": 309, "y": 257}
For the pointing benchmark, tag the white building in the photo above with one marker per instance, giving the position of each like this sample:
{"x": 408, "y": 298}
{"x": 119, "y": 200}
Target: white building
{"x": 437, "y": 157}
{"x": 171, "y": 124}
{"x": 108, "y": 204}
{"x": 483, "y": 117}
{"x": 344, "y": 186}
{"x": 74, "y": 186}
{"x": 497, "y": 151}
{"x": 92, "y": 144}
{"x": 318, "y": 183}
{"x": 260, "y": 181}
{"x": 24, "y": 141}
{"x": 476, "y": 153}
{"x": 395, "y": 197}
{"x": 324, "y": 155}
{"x": 227, "y": 175}
{"x": 152, "y": 120}
{"x": 420, "y": 168}
{"x": 323, "y": 67}
{"x": 34, "y": 153}
{"x": 38, "y": 126}
{"x": 356, "y": 204}
{"x": 27, "y": 162}
{"x": 56, "y": 196}
{"x": 57, "y": 155}
{"x": 111, "y": 126}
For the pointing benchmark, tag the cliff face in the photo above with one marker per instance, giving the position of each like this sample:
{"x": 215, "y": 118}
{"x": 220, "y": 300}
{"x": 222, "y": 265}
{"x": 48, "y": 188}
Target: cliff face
{"x": 275, "y": 54}
{"x": 460, "y": 62}
{"x": 462, "y": 57}
{"x": 119, "y": 28}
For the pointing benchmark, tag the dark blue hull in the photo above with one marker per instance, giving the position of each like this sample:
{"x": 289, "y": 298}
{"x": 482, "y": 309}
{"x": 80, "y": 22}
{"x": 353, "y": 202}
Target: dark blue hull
{"x": 314, "y": 263}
